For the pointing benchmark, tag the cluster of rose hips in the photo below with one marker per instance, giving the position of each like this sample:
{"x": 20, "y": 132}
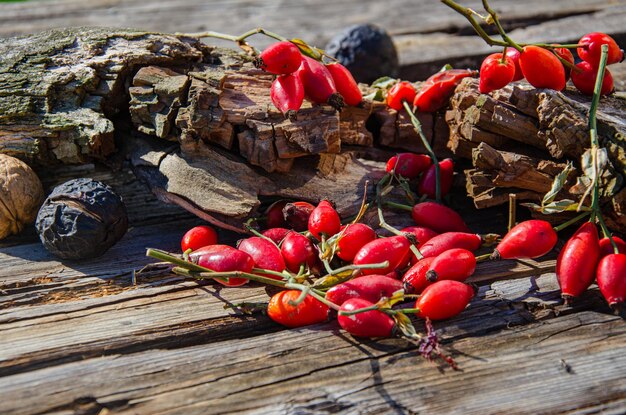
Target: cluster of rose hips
{"x": 300, "y": 77}
{"x": 302, "y": 241}
{"x": 586, "y": 258}
{"x": 551, "y": 66}
{"x": 433, "y": 93}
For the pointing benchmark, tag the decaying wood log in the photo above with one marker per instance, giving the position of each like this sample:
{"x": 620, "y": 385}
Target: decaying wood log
{"x": 203, "y": 130}
{"x": 60, "y": 90}
{"x": 520, "y": 138}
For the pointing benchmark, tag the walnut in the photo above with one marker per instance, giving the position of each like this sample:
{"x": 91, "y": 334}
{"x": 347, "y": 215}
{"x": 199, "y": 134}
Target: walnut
{"x": 21, "y": 194}
{"x": 80, "y": 219}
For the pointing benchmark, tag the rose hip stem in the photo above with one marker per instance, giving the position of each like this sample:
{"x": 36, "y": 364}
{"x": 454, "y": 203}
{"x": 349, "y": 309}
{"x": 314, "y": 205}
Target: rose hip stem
{"x": 418, "y": 128}
{"x": 469, "y": 15}
{"x": 381, "y": 218}
{"x": 239, "y": 40}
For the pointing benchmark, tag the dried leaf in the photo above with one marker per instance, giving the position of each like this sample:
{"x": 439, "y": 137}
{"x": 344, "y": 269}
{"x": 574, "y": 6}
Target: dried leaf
{"x": 306, "y": 49}
{"x": 385, "y": 82}
{"x": 565, "y": 205}
{"x": 557, "y": 184}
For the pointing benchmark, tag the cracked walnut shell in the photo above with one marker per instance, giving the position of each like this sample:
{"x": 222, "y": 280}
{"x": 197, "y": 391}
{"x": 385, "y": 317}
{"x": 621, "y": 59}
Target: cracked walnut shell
{"x": 21, "y": 194}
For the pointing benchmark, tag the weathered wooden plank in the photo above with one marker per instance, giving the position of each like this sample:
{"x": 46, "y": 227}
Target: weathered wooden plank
{"x": 313, "y": 21}
{"x": 422, "y": 54}
{"x": 523, "y": 364}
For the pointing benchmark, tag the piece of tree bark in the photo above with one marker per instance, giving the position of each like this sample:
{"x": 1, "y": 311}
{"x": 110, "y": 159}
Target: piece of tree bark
{"x": 520, "y": 138}
{"x": 60, "y": 90}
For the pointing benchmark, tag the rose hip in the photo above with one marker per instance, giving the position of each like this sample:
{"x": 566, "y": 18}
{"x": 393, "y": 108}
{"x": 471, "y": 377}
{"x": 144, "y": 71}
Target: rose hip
{"x": 454, "y": 264}
{"x": 428, "y": 181}
{"x": 514, "y": 54}
{"x": 496, "y": 72}
{"x": 324, "y": 220}
{"x": 353, "y": 238}
{"x": 368, "y": 287}
{"x": 566, "y": 55}
{"x": 435, "y": 92}
{"x": 611, "y": 275}
{"x": 274, "y": 215}
{"x": 577, "y": 261}
{"x": 223, "y": 258}
{"x": 345, "y": 83}
{"x": 265, "y": 254}
{"x": 197, "y": 237}
{"x": 528, "y": 239}
{"x": 402, "y": 91}
{"x": 319, "y": 86}
{"x": 606, "y": 248}
{"x": 450, "y": 240}
{"x": 297, "y": 250}
{"x": 297, "y": 214}
{"x": 408, "y": 165}
{"x": 584, "y": 79}
{"x": 541, "y": 68}
{"x": 444, "y": 299}
{"x": 287, "y": 94}
{"x": 310, "y": 311}
{"x": 414, "y": 280}
{"x": 438, "y": 217}
{"x": 276, "y": 234}
{"x": 395, "y": 249}
{"x": 373, "y": 323}
{"x": 279, "y": 58}
{"x": 422, "y": 234}
{"x": 590, "y": 50}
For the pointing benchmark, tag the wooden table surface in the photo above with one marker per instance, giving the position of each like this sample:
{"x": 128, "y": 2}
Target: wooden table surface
{"x": 84, "y": 338}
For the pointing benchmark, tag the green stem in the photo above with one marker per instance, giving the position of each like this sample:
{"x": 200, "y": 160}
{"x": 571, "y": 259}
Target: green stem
{"x": 409, "y": 310}
{"x": 358, "y": 311}
{"x": 267, "y": 271}
{"x": 469, "y": 15}
{"x": 483, "y": 258}
{"x": 418, "y": 128}
{"x": 399, "y": 206}
{"x": 202, "y": 275}
{"x": 570, "y": 222}
{"x": 305, "y": 291}
{"x": 503, "y": 34}
{"x": 318, "y": 295}
{"x": 607, "y": 233}
{"x": 355, "y": 267}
